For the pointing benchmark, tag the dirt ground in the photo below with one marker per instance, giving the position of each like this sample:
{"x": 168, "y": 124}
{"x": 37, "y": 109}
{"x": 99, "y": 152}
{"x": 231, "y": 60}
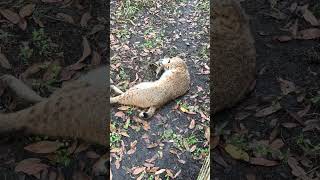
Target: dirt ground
{"x": 174, "y": 143}
{"x": 274, "y": 133}
{"x": 40, "y": 42}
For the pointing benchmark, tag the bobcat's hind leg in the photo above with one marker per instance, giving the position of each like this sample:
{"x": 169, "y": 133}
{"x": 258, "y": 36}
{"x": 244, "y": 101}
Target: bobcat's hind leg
{"x": 148, "y": 114}
{"x": 20, "y": 89}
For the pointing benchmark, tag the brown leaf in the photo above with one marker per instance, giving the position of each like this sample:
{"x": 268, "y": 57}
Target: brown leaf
{"x": 312, "y": 33}
{"x": 81, "y": 147}
{"x": 177, "y": 174}
{"x": 137, "y": 170}
{"x": 84, "y": 19}
{"x": 66, "y": 18}
{"x": 153, "y": 145}
{"x": 304, "y": 111}
{"x": 277, "y": 144}
{"x": 269, "y": 110}
{"x": 133, "y": 147}
{"x": 31, "y": 166}
{"x": 296, "y": 170}
{"x": 23, "y": 24}
{"x": 286, "y": 86}
{"x": 4, "y": 61}
{"x": 263, "y": 162}
{"x": 51, "y": 71}
{"x": 86, "y": 49}
{"x": 192, "y": 124}
{"x": 160, "y": 171}
{"x": 27, "y": 10}
{"x": 44, "y": 147}
{"x": 308, "y": 16}
{"x": 10, "y": 15}
{"x": 96, "y": 58}
{"x": 120, "y": 114}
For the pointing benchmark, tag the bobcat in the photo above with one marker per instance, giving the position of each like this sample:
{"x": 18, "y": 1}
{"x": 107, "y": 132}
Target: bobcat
{"x": 233, "y": 55}
{"x": 174, "y": 82}
{"x": 77, "y": 110}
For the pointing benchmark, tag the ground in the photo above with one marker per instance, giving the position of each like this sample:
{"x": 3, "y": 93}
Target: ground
{"x": 174, "y": 143}
{"x": 274, "y": 133}
{"x": 40, "y": 42}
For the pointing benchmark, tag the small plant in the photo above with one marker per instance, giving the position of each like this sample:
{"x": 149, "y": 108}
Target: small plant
{"x": 115, "y": 139}
{"x": 63, "y": 157}
{"x": 25, "y": 53}
{"x": 41, "y": 42}
{"x": 204, "y": 52}
{"x": 201, "y": 151}
{"x": 239, "y": 141}
{"x": 152, "y": 39}
{"x": 130, "y": 111}
{"x": 123, "y": 33}
{"x": 203, "y": 5}
{"x": 123, "y": 75}
{"x": 262, "y": 150}
{"x": 127, "y": 10}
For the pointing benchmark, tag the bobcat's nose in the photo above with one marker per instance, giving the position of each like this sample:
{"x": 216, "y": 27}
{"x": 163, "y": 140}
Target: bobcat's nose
{"x": 144, "y": 115}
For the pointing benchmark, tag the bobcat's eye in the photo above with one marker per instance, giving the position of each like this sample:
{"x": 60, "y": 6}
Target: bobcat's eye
{"x": 169, "y": 61}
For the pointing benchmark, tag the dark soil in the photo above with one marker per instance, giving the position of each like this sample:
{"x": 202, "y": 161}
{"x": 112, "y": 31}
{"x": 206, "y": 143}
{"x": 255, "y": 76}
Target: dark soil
{"x": 64, "y": 42}
{"x": 139, "y": 38}
{"x": 296, "y": 61}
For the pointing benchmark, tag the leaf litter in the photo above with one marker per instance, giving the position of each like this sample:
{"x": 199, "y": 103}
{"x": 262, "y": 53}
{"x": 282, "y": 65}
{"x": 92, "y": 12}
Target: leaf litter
{"x": 51, "y": 56}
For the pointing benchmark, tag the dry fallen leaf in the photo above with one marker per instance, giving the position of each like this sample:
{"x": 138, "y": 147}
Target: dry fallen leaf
{"x": 10, "y": 15}
{"x": 79, "y": 175}
{"x": 43, "y": 147}
{"x": 4, "y": 61}
{"x": 86, "y": 49}
{"x": 269, "y": 110}
{"x": 296, "y": 170}
{"x": 192, "y": 124}
{"x": 96, "y": 58}
{"x": 133, "y": 147}
{"x": 22, "y": 24}
{"x": 31, "y": 166}
{"x": 84, "y": 19}
{"x": 312, "y": 33}
{"x": 66, "y": 18}
{"x": 137, "y": 170}
{"x": 308, "y": 16}
{"x": 27, "y": 10}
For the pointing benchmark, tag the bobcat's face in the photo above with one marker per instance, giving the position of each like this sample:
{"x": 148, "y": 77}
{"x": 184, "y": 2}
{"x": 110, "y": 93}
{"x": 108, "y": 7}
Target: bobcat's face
{"x": 172, "y": 63}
